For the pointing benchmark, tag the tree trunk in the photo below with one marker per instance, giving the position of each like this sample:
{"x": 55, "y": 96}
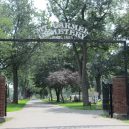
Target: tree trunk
{"x": 8, "y": 91}
{"x": 82, "y": 73}
{"x": 79, "y": 92}
{"x": 51, "y": 97}
{"x": 57, "y": 95}
{"x": 42, "y": 96}
{"x": 27, "y": 93}
{"x": 84, "y": 82}
{"x": 24, "y": 89}
{"x": 62, "y": 96}
{"x": 79, "y": 62}
{"x": 98, "y": 85}
{"x": 15, "y": 84}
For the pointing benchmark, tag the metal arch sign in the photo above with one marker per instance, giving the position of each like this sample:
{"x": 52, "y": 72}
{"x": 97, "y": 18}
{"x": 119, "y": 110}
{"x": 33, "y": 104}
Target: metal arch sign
{"x": 62, "y": 31}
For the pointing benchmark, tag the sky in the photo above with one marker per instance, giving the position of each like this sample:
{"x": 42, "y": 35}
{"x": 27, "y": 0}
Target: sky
{"x": 42, "y": 5}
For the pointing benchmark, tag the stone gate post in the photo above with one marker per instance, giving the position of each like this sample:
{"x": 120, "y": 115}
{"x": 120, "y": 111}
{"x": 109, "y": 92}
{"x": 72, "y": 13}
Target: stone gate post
{"x": 2, "y": 98}
{"x": 119, "y": 96}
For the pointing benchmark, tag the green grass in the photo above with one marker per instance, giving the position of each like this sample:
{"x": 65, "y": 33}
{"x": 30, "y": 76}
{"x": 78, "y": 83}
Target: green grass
{"x": 126, "y": 121}
{"x": 51, "y": 102}
{"x": 16, "y": 107}
{"x": 79, "y": 105}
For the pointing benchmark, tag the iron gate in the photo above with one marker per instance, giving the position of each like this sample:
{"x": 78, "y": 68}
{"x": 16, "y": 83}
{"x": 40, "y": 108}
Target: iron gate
{"x": 107, "y": 98}
{"x": 6, "y": 100}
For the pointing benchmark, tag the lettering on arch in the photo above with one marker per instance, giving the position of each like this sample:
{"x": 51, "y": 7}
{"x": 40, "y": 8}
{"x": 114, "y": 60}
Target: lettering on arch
{"x": 62, "y": 30}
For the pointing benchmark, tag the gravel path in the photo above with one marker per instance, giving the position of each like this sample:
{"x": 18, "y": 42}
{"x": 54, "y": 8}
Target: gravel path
{"x": 38, "y": 115}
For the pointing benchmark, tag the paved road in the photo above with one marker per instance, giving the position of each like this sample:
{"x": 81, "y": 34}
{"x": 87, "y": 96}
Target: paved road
{"x": 37, "y": 115}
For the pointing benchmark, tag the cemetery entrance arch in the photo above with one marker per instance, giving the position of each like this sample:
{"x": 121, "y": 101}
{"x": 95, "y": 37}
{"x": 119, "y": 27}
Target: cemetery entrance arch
{"x": 67, "y": 33}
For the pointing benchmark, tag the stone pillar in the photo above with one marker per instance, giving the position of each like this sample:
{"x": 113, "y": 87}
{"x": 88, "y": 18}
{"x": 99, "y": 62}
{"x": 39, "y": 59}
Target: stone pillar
{"x": 119, "y": 96}
{"x": 2, "y": 98}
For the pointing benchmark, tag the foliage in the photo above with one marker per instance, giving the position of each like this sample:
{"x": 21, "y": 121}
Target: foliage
{"x": 90, "y": 14}
{"x": 121, "y": 26}
{"x": 18, "y": 53}
{"x": 61, "y": 79}
{"x": 28, "y": 65}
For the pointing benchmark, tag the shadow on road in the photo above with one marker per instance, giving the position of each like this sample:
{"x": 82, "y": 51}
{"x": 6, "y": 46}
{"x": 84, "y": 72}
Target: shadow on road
{"x": 68, "y": 110}
{"x": 58, "y": 109}
{"x": 76, "y": 127}
{"x": 39, "y": 105}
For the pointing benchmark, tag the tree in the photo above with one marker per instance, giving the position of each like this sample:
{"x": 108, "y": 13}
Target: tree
{"x": 58, "y": 81}
{"x": 100, "y": 67}
{"x": 121, "y": 26}
{"x": 20, "y": 13}
{"x": 21, "y": 24}
{"x": 90, "y": 14}
{"x": 74, "y": 82}
{"x": 50, "y": 58}
{"x": 61, "y": 79}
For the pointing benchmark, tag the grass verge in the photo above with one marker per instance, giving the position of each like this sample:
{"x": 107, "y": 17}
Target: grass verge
{"x": 16, "y": 107}
{"x": 77, "y": 105}
{"x": 125, "y": 121}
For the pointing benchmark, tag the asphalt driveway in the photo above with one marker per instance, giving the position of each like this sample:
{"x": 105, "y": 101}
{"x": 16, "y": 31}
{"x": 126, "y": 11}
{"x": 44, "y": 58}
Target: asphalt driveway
{"x": 38, "y": 115}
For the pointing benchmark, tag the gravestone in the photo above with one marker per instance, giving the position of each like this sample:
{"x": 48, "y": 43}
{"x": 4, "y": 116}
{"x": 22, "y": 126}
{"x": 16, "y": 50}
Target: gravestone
{"x": 2, "y": 98}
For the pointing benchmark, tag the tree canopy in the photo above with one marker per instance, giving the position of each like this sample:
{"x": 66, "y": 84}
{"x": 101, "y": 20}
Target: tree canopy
{"x": 44, "y": 68}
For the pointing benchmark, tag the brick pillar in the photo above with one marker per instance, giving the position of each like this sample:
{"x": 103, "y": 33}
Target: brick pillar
{"x": 120, "y": 107}
{"x": 2, "y": 98}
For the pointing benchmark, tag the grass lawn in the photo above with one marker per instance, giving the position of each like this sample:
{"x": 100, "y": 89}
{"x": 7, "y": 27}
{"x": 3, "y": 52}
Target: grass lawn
{"x": 16, "y": 107}
{"x": 126, "y": 121}
{"x": 51, "y": 102}
{"x": 79, "y": 105}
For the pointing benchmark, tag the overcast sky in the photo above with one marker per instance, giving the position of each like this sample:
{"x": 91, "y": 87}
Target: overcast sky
{"x": 40, "y": 4}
